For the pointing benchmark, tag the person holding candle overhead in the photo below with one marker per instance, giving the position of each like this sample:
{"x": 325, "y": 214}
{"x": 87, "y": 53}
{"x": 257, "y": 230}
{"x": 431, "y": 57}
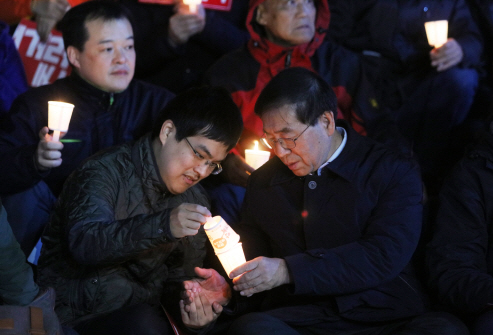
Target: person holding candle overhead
{"x": 328, "y": 226}
{"x": 127, "y": 229}
{"x": 110, "y": 108}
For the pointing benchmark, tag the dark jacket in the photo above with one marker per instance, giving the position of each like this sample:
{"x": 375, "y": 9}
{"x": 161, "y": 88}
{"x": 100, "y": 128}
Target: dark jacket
{"x": 245, "y": 72}
{"x": 460, "y": 256}
{"x": 347, "y": 235}
{"x": 181, "y": 67}
{"x": 109, "y": 243}
{"x": 17, "y": 286}
{"x": 99, "y": 120}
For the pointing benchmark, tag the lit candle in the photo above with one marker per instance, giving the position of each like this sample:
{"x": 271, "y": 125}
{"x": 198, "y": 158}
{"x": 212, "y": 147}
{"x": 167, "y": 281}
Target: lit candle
{"x": 256, "y": 158}
{"x": 59, "y": 114}
{"x": 192, "y": 5}
{"x": 225, "y": 242}
{"x": 436, "y": 32}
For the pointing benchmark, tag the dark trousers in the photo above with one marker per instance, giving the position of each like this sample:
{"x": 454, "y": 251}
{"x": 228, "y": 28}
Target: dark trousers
{"x": 429, "y": 324}
{"x": 483, "y": 325}
{"x": 141, "y": 319}
{"x": 28, "y": 213}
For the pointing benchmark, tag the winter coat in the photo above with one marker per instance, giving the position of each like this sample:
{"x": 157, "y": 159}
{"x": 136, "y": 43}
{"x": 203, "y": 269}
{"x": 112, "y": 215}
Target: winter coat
{"x": 109, "y": 244}
{"x": 347, "y": 236}
{"x": 245, "y": 72}
{"x": 460, "y": 255}
{"x": 99, "y": 120}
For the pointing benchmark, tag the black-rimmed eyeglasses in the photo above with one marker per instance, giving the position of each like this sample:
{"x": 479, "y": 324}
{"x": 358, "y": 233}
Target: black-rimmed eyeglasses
{"x": 217, "y": 168}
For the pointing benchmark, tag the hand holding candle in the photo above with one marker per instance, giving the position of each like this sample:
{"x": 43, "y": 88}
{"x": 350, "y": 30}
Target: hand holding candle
{"x": 59, "y": 115}
{"x": 256, "y": 158}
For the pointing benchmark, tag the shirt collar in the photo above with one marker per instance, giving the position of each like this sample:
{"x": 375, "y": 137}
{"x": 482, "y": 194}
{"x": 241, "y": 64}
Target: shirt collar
{"x": 341, "y": 131}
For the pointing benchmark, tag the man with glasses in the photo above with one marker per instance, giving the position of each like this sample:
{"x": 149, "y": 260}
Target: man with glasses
{"x": 127, "y": 229}
{"x": 328, "y": 227}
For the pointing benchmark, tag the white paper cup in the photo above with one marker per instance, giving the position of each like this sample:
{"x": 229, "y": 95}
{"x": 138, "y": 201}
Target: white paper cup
{"x": 221, "y": 235}
{"x": 256, "y": 158}
{"x": 436, "y": 32}
{"x": 59, "y": 115}
{"x": 232, "y": 258}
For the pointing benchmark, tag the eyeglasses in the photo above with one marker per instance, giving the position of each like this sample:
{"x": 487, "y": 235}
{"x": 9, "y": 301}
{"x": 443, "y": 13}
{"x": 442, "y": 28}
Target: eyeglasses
{"x": 217, "y": 168}
{"x": 286, "y": 143}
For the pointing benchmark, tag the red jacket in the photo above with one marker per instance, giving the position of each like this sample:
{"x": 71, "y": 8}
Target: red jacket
{"x": 245, "y": 72}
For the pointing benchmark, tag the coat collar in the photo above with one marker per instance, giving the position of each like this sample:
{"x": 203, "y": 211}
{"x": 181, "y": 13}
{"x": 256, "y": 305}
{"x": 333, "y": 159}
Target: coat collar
{"x": 147, "y": 169}
{"x": 345, "y": 165}
{"x": 92, "y": 93}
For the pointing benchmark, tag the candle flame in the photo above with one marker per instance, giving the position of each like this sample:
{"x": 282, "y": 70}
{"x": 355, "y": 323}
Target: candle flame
{"x": 256, "y": 145}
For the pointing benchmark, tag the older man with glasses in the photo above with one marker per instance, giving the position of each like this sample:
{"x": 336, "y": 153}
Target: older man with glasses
{"x": 127, "y": 229}
{"x": 328, "y": 227}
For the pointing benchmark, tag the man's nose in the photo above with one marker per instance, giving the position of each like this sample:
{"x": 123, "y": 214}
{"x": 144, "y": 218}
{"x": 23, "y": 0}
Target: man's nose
{"x": 201, "y": 169}
{"x": 120, "y": 56}
{"x": 280, "y": 151}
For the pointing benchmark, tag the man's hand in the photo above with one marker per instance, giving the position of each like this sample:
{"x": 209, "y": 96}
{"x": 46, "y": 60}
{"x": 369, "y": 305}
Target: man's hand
{"x": 186, "y": 219}
{"x": 236, "y": 170}
{"x": 211, "y": 285}
{"x": 260, "y": 274}
{"x": 447, "y": 56}
{"x": 48, "y": 154}
{"x": 183, "y": 24}
{"x": 203, "y": 298}
{"x": 200, "y": 312}
{"x": 47, "y": 14}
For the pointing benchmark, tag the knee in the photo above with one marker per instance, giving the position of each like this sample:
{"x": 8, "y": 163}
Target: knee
{"x": 457, "y": 81}
{"x": 254, "y": 323}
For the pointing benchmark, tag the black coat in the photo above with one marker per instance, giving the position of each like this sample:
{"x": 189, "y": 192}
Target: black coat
{"x": 347, "y": 235}
{"x": 460, "y": 256}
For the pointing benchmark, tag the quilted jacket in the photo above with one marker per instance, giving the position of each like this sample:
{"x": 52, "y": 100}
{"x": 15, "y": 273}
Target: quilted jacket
{"x": 109, "y": 244}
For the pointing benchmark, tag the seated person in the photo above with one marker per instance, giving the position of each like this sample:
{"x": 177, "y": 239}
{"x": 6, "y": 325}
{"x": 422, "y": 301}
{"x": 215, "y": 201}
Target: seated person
{"x": 175, "y": 47}
{"x": 283, "y": 34}
{"x": 329, "y": 227}
{"x": 459, "y": 257}
{"x": 127, "y": 229}
{"x": 429, "y": 90}
{"x": 110, "y": 109}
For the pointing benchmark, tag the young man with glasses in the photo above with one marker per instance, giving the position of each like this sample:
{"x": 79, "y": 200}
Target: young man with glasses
{"x": 328, "y": 227}
{"x": 127, "y": 229}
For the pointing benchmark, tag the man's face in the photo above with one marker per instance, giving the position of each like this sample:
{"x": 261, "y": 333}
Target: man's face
{"x": 108, "y": 59}
{"x": 312, "y": 147}
{"x": 288, "y": 22}
{"x": 178, "y": 165}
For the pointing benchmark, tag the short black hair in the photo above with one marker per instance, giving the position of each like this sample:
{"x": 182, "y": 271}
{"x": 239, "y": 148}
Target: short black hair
{"x": 73, "y": 23}
{"x": 307, "y": 91}
{"x": 206, "y": 111}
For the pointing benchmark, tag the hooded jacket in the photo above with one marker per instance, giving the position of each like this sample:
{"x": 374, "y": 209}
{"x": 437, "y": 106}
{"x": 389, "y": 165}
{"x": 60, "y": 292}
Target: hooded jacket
{"x": 246, "y": 71}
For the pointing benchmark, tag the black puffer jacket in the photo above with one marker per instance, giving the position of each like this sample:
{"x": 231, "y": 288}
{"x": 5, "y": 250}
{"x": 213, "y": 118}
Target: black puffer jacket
{"x": 109, "y": 243}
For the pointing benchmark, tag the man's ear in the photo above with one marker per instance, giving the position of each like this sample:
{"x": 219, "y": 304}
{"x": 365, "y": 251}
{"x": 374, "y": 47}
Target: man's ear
{"x": 328, "y": 122}
{"x": 73, "y": 56}
{"x": 166, "y": 131}
{"x": 261, "y": 16}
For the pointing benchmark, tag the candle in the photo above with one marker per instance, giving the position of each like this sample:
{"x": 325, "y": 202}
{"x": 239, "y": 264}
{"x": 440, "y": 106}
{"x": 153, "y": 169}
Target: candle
{"x": 256, "y": 158}
{"x": 436, "y": 32}
{"x": 59, "y": 114}
{"x": 192, "y": 5}
{"x": 225, "y": 242}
